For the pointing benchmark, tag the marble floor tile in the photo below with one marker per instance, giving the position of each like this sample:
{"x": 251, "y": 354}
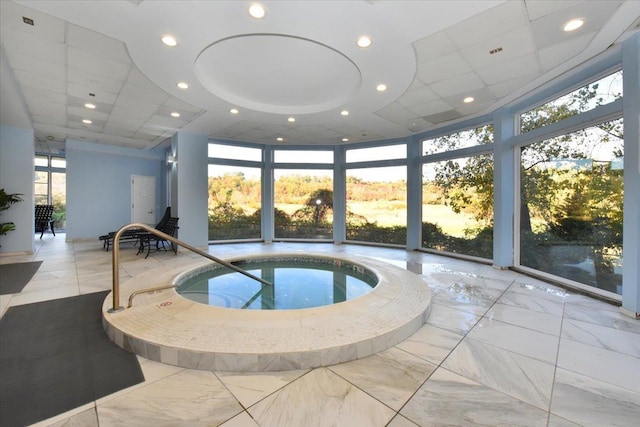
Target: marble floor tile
{"x": 243, "y": 419}
{"x": 605, "y": 365}
{"x": 186, "y": 398}
{"x": 400, "y": 421}
{"x": 545, "y": 305}
{"x": 431, "y": 343}
{"x": 620, "y": 341}
{"x": 398, "y": 375}
{"x": 452, "y": 320}
{"x": 538, "y": 288}
{"x": 522, "y": 377}
{"x": 450, "y": 399}
{"x": 43, "y": 295}
{"x": 70, "y": 417}
{"x": 320, "y": 398}
{"x": 590, "y": 402}
{"x": 466, "y": 297}
{"x": 526, "y": 342}
{"x": 535, "y": 320}
{"x": 252, "y": 387}
{"x": 88, "y": 418}
{"x": 608, "y": 318}
{"x": 4, "y": 303}
{"x": 556, "y": 421}
{"x": 590, "y": 303}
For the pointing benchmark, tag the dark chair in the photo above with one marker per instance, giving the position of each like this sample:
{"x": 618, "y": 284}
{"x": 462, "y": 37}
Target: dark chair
{"x": 44, "y": 219}
{"x": 131, "y": 235}
{"x": 170, "y": 227}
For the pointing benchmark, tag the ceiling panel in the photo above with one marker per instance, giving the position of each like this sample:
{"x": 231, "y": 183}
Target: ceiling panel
{"x": 526, "y": 65}
{"x": 486, "y": 25}
{"x": 539, "y": 8}
{"x": 96, "y": 64}
{"x": 40, "y": 83}
{"x": 460, "y": 85}
{"x": 44, "y": 26}
{"x": 98, "y": 44}
{"x": 442, "y": 68}
{"x": 94, "y": 83}
{"x": 513, "y": 44}
{"x": 552, "y": 56}
{"x": 29, "y": 44}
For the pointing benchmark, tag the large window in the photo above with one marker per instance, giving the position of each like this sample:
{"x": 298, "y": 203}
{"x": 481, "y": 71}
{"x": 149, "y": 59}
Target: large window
{"x": 235, "y": 189}
{"x": 601, "y": 92}
{"x": 457, "y": 205}
{"x": 50, "y": 186}
{"x": 571, "y": 206}
{"x": 377, "y": 205}
{"x": 303, "y": 200}
{"x": 234, "y": 202}
{"x": 457, "y": 193}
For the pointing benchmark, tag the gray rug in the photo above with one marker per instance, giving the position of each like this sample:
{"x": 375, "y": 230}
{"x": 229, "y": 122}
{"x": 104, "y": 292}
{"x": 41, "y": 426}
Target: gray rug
{"x": 55, "y": 356}
{"x": 14, "y": 277}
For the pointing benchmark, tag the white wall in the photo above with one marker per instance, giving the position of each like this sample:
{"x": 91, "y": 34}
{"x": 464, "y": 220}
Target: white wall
{"x": 99, "y": 186}
{"x": 16, "y": 176}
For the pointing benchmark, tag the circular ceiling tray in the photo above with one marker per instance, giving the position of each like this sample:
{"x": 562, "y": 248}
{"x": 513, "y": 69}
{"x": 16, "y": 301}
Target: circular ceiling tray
{"x": 278, "y": 73}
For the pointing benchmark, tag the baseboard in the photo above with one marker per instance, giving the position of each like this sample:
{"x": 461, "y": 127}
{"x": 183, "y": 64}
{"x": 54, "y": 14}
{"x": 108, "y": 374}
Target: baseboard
{"x": 4, "y": 254}
{"x": 629, "y": 313}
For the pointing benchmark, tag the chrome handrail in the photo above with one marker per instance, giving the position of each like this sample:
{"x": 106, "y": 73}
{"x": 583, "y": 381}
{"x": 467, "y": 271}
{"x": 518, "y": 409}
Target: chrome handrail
{"x": 116, "y": 260}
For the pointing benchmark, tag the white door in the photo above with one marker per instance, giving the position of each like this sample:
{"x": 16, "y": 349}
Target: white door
{"x": 143, "y": 199}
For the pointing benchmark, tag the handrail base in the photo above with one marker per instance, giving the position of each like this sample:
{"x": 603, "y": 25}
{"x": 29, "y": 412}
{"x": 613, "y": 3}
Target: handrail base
{"x": 115, "y": 310}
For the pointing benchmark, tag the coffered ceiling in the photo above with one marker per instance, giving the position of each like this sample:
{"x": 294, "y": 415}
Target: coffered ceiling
{"x": 290, "y": 77}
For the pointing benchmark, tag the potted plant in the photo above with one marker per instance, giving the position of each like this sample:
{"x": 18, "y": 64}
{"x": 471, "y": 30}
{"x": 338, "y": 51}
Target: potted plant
{"x": 6, "y": 200}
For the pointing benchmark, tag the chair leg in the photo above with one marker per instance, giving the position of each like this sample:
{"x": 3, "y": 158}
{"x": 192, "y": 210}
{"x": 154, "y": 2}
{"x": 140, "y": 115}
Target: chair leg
{"x": 52, "y": 230}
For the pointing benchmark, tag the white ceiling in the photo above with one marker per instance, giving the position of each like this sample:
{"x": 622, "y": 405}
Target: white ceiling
{"x": 300, "y": 61}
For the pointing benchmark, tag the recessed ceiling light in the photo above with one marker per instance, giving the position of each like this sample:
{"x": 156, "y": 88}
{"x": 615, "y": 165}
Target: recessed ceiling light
{"x": 234, "y": 111}
{"x": 169, "y": 40}
{"x": 291, "y": 119}
{"x": 175, "y": 114}
{"x": 344, "y": 112}
{"x": 86, "y": 121}
{"x": 364, "y": 41}
{"x": 256, "y": 10}
{"x": 280, "y": 139}
{"x": 468, "y": 99}
{"x": 574, "y": 24}
{"x": 381, "y": 87}
{"x": 345, "y": 139}
{"x": 90, "y": 106}
{"x": 183, "y": 85}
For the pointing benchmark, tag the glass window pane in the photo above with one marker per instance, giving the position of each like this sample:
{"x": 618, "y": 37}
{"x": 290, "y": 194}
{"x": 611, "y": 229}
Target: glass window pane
{"x": 223, "y": 151}
{"x": 42, "y": 161}
{"x": 398, "y": 151}
{"x": 601, "y": 92}
{"x": 303, "y": 201}
{"x": 571, "y": 206}
{"x": 468, "y": 138}
{"x": 58, "y": 162}
{"x": 234, "y": 202}
{"x": 303, "y": 156}
{"x": 377, "y": 205}
{"x": 59, "y": 199}
{"x": 41, "y": 187}
{"x": 457, "y": 206}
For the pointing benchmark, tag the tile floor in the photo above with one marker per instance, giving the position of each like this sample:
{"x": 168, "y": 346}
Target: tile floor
{"x": 499, "y": 348}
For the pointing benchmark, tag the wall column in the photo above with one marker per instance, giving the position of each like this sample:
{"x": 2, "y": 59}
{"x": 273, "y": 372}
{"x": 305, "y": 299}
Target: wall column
{"x": 631, "y": 219}
{"x": 414, "y": 194}
{"x": 503, "y": 189}
{"x": 189, "y": 192}
{"x": 17, "y": 151}
{"x": 339, "y": 195}
{"x": 268, "y": 216}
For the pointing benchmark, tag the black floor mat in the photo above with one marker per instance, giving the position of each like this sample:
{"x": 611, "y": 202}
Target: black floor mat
{"x": 13, "y": 277}
{"x": 55, "y": 356}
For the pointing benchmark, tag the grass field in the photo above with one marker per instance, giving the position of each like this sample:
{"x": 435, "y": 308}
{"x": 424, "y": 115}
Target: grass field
{"x": 389, "y": 213}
